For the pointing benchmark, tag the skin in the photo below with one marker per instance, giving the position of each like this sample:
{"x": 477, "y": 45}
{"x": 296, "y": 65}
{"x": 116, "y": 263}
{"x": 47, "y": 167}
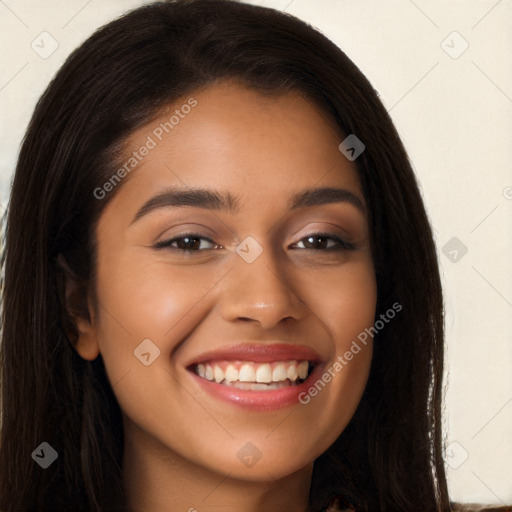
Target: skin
{"x": 181, "y": 444}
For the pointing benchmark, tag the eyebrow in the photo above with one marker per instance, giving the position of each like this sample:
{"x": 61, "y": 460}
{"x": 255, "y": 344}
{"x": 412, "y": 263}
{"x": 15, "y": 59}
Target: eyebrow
{"x": 214, "y": 200}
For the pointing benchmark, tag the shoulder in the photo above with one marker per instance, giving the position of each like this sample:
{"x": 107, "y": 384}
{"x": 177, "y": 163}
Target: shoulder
{"x": 337, "y": 504}
{"x": 476, "y": 507}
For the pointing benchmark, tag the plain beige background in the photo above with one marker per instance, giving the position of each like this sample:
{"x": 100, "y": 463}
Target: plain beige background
{"x": 442, "y": 69}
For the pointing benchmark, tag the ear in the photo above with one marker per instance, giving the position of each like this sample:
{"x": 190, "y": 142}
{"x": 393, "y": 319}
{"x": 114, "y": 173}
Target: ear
{"x": 77, "y": 316}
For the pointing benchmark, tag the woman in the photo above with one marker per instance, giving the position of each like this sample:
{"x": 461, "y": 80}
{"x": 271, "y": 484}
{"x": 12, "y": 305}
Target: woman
{"x": 221, "y": 289}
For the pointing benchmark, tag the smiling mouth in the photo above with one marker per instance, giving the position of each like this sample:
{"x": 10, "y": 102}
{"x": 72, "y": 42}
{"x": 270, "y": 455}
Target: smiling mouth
{"x": 251, "y": 376}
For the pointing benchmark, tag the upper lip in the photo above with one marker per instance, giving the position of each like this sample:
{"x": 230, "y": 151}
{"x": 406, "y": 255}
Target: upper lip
{"x": 260, "y": 353}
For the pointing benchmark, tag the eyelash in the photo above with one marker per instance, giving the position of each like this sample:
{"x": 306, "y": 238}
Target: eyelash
{"x": 166, "y": 244}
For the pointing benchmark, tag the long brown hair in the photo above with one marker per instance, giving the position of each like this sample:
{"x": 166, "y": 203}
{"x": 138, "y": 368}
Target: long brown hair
{"x": 389, "y": 458}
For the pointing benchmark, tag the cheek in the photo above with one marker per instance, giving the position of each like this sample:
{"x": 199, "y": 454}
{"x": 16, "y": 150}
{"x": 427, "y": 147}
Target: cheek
{"x": 140, "y": 301}
{"x": 163, "y": 304}
{"x": 344, "y": 300}
{"x": 345, "y": 303}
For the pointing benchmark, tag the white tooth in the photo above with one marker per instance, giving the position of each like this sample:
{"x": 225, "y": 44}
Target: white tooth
{"x": 208, "y": 373}
{"x": 231, "y": 373}
{"x": 292, "y": 370}
{"x": 258, "y": 386}
{"x": 200, "y": 370}
{"x": 247, "y": 373}
{"x": 264, "y": 373}
{"x": 218, "y": 374}
{"x": 279, "y": 373}
{"x": 302, "y": 369}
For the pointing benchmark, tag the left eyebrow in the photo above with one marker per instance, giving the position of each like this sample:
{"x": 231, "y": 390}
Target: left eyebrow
{"x": 325, "y": 195}
{"x": 211, "y": 199}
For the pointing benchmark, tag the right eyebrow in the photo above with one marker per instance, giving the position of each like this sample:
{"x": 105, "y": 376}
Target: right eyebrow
{"x": 199, "y": 197}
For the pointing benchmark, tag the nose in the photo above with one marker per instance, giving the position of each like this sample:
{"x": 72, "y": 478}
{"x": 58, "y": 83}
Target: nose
{"x": 261, "y": 291}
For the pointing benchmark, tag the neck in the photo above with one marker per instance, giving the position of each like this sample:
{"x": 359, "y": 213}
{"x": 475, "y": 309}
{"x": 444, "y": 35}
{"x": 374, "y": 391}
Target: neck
{"x": 157, "y": 478}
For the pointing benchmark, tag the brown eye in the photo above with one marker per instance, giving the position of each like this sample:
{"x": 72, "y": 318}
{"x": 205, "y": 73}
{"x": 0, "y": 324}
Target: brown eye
{"x": 323, "y": 241}
{"x": 316, "y": 242}
{"x": 189, "y": 242}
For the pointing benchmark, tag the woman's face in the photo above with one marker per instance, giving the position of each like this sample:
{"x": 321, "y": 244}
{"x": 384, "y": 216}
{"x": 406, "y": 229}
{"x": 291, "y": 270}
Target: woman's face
{"x": 264, "y": 275}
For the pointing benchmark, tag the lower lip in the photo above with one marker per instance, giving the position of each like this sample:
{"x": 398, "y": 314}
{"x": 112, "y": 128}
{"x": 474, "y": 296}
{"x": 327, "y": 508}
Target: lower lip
{"x": 260, "y": 400}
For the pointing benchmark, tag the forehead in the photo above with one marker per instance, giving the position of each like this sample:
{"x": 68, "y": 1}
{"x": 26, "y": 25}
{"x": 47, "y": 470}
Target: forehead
{"x": 227, "y": 136}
